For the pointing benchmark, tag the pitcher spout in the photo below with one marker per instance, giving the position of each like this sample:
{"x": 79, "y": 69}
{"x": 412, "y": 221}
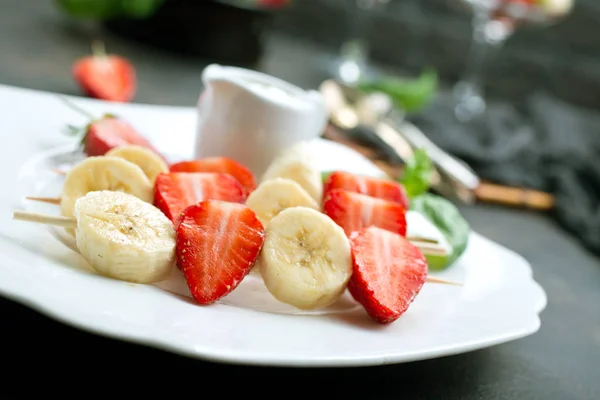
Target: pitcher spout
{"x": 217, "y": 79}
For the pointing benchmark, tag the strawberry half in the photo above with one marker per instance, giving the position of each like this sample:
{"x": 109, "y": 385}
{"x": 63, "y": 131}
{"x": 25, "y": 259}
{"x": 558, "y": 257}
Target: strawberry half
{"x": 108, "y": 132}
{"x": 217, "y": 244}
{"x": 222, "y": 165}
{"x": 175, "y": 191}
{"x": 355, "y": 211}
{"x": 375, "y": 187}
{"x": 106, "y": 77}
{"x": 387, "y": 273}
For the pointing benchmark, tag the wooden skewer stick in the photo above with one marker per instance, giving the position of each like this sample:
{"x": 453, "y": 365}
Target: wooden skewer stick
{"x": 427, "y": 246}
{"x": 50, "y": 200}
{"x": 67, "y": 222}
{"x": 45, "y": 219}
{"x": 422, "y": 239}
{"x": 426, "y": 243}
{"x": 59, "y": 171}
{"x": 432, "y": 279}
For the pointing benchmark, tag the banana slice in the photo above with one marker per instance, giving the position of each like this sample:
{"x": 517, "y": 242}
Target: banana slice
{"x": 301, "y": 148}
{"x": 305, "y": 260}
{"x": 296, "y": 164}
{"x": 125, "y": 238}
{"x": 150, "y": 162}
{"x": 275, "y": 195}
{"x": 103, "y": 173}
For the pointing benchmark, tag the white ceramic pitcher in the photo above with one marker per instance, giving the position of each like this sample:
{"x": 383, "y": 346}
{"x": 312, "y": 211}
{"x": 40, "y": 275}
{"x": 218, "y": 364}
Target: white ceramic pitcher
{"x": 251, "y": 117}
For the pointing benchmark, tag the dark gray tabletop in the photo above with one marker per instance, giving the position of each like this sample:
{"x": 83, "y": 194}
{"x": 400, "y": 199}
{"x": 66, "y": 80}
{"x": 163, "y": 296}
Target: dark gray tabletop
{"x": 561, "y": 361}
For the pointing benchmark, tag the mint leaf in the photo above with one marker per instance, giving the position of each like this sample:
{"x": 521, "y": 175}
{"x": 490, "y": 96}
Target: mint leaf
{"x": 448, "y": 219}
{"x": 418, "y": 173}
{"x": 140, "y": 8}
{"x": 108, "y": 9}
{"x": 410, "y": 95}
{"x": 92, "y": 9}
{"x": 437, "y": 262}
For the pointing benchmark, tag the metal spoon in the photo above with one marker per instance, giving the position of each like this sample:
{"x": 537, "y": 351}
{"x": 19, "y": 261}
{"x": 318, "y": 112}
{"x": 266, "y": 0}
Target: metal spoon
{"x": 373, "y": 118}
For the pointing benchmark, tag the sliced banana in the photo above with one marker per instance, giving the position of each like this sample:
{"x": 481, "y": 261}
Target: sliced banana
{"x": 255, "y": 270}
{"x": 103, "y": 173}
{"x": 123, "y": 237}
{"x": 296, "y": 164}
{"x": 305, "y": 260}
{"x": 150, "y": 162}
{"x": 301, "y": 148}
{"x": 275, "y": 195}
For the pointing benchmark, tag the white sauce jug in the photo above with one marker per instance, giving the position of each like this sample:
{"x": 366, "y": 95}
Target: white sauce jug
{"x": 251, "y": 116}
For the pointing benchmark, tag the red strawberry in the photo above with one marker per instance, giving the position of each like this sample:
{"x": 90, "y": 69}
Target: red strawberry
{"x": 217, "y": 245}
{"x": 355, "y": 211}
{"x": 108, "y": 132}
{"x": 221, "y": 165}
{"x": 387, "y": 274}
{"x": 106, "y": 77}
{"x": 376, "y": 187}
{"x": 175, "y": 191}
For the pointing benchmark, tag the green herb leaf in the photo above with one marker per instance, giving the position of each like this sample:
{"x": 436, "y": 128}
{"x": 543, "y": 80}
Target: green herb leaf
{"x": 92, "y": 9}
{"x": 448, "y": 219}
{"x": 410, "y": 95}
{"x": 140, "y": 8}
{"x": 418, "y": 173}
{"x": 108, "y": 9}
{"x": 437, "y": 262}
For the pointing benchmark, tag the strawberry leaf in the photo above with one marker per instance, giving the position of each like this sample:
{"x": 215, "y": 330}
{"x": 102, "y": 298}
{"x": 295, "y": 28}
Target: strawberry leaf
{"x": 325, "y": 175}
{"x": 73, "y": 130}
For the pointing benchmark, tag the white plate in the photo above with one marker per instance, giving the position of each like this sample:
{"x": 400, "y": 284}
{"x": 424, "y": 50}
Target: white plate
{"x": 499, "y": 301}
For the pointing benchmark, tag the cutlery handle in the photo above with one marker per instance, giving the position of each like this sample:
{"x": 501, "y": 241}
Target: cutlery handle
{"x": 514, "y": 196}
{"x": 485, "y": 192}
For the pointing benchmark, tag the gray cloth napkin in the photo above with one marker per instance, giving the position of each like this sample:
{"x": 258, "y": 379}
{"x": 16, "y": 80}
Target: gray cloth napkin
{"x": 542, "y": 143}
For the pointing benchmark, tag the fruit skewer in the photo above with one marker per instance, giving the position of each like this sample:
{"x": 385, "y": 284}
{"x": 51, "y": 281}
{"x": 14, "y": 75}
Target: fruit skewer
{"x": 70, "y": 222}
{"x": 427, "y": 245}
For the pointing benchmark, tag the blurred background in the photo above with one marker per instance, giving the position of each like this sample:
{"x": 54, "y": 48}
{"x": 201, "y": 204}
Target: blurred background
{"x": 511, "y": 88}
{"x": 405, "y": 35}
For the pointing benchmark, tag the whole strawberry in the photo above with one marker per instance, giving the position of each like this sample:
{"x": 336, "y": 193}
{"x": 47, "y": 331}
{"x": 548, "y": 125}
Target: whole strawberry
{"x": 102, "y": 134}
{"x": 105, "y": 76}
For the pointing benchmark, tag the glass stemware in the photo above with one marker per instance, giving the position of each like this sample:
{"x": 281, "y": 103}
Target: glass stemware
{"x": 352, "y": 62}
{"x": 494, "y": 21}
